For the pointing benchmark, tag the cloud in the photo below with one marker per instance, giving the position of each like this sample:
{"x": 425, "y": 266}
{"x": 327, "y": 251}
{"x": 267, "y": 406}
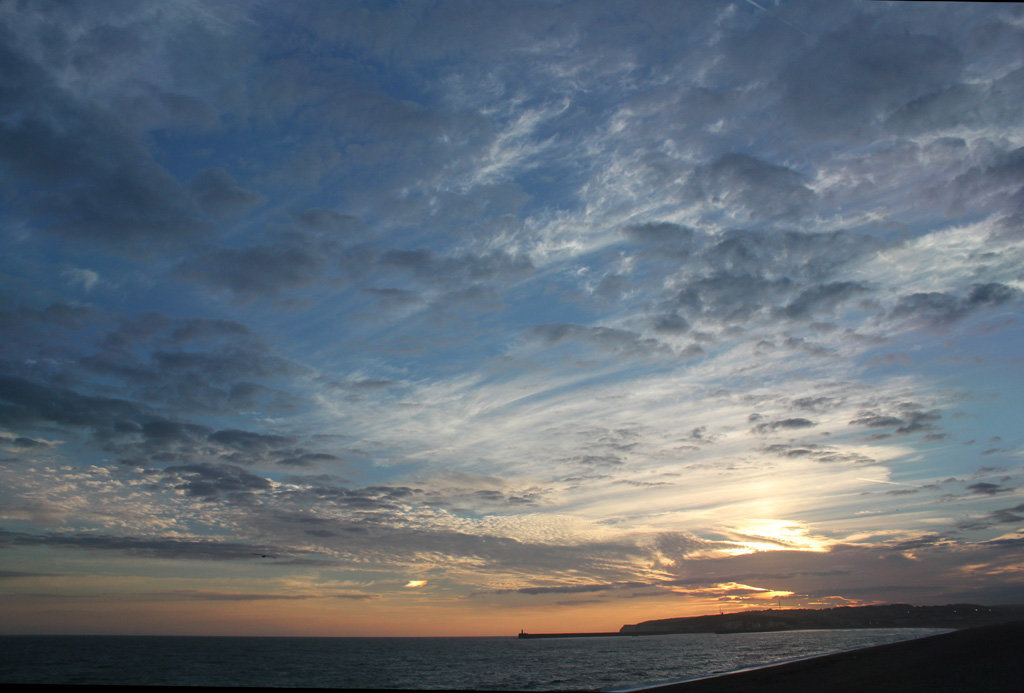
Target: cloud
{"x": 62, "y": 315}
{"x": 673, "y": 548}
{"x": 249, "y": 442}
{"x": 1007, "y": 516}
{"x": 463, "y": 492}
{"x": 24, "y": 443}
{"x": 258, "y": 270}
{"x": 208, "y": 596}
{"x": 214, "y": 482}
{"x": 740, "y": 275}
{"x": 85, "y": 278}
{"x": 355, "y": 596}
{"x": 992, "y": 184}
{"x": 816, "y": 404}
{"x": 786, "y": 424}
{"x": 218, "y": 194}
{"x": 75, "y": 166}
{"x": 987, "y": 489}
{"x": 365, "y": 384}
{"x": 301, "y": 458}
{"x": 25, "y": 402}
{"x": 370, "y": 498}
{"x": 751, "y": 189}
{"x": 671, "y": 323}
{"x": 826, "y": 454}
{"x": 330, "y": 220}
{"x": 395, "y": 298}
{"x": 157, "y": 547}
{"x": 821, "y": 300}
{"x": 158, "y": 328}
{"x": 939, "y": 308}
{"x": 873, "y": 420}
{"x": 192, "y": 362}
{"x": 137, "y": 432}
{"x": 531, "y": 271}
{"x": 730, "y": 297}
{"x": 457, "y": 270}
{"x": 663, "y": 235}
{"x": 568, "y": 589}
{"x": 622, "y": 342}
{"x": 910, "y": 418}
{"x": 854, "y": 76}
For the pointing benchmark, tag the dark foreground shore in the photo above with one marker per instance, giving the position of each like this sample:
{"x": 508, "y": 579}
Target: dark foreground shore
{"x": 987, "y": 658}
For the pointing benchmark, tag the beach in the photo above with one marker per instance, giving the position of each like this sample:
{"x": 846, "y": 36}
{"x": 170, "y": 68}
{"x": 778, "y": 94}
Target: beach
{"x": 987, "y": 658}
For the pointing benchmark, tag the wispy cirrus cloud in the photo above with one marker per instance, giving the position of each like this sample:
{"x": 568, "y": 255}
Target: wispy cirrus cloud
{"x": 514, "y": 300}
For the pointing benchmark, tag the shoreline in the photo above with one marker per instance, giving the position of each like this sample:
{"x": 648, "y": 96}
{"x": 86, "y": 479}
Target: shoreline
{"x": 984, "y": 658}
{"x": 755, "y": 668}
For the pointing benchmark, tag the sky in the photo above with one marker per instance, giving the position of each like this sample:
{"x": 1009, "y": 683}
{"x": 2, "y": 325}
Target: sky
{"x": 456, "y": 318}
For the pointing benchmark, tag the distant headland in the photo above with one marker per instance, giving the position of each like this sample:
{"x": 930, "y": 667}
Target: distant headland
{"x": 879, "y": 616}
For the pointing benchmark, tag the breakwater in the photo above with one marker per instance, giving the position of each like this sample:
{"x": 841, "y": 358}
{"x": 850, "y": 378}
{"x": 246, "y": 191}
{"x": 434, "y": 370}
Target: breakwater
{"x": 525, "y": 636}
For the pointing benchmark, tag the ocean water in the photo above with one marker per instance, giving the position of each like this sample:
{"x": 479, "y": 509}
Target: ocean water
{"x": 500, "y": 663}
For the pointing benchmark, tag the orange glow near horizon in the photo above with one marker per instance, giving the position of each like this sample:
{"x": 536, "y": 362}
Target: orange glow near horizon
{"x": 321, "y": 617}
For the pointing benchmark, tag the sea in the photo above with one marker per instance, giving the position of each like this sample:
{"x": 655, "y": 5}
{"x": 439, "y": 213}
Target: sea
{"x": 480, "y": 663}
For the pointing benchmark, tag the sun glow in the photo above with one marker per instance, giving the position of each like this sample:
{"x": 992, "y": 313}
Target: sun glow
{"x": 775, "y": 535}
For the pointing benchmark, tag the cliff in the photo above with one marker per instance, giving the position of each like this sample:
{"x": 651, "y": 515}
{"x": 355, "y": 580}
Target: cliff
{"x": 882, "y": 616}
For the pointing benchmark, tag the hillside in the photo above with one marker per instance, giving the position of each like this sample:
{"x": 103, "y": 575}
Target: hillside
{"x": 881, "y": 616}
